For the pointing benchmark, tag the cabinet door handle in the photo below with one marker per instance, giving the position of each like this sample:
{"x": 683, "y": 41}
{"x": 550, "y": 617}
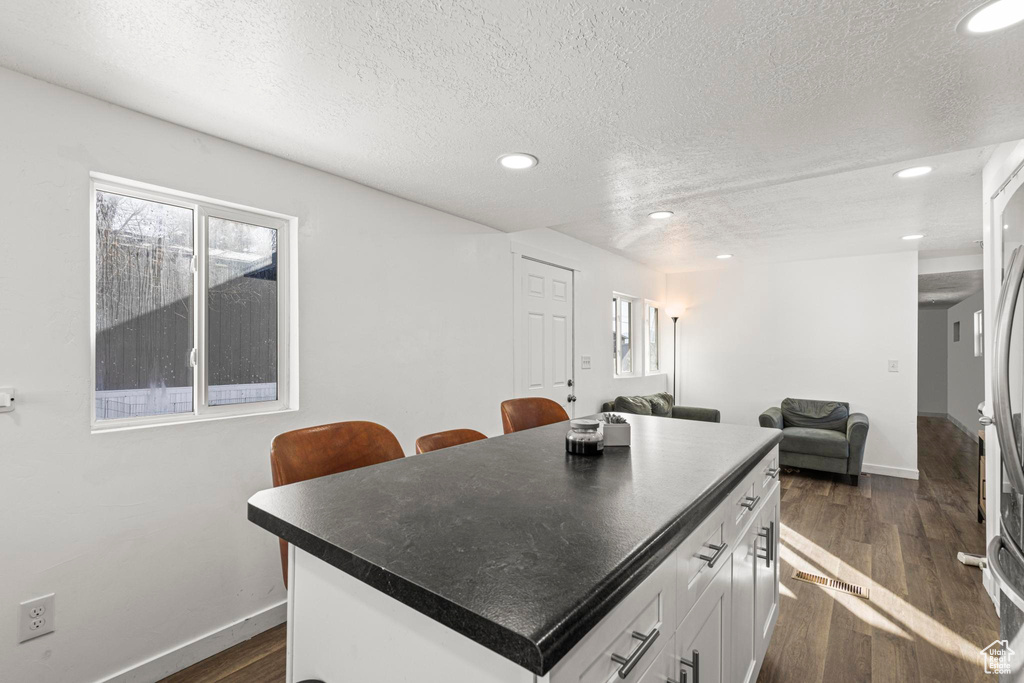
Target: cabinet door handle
{"x": 719, "y": 549}
{"x": 693, "y": 664}
{"x": 750, "y": 502}
{"x": 627, "y": 663}
{"x": 772, "y": 472}
{"x": 768, "y": 533}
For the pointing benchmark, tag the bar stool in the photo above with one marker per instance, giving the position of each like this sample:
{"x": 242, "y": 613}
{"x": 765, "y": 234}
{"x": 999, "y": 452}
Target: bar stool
{"x": 518, "y": 414}
{"x": 328, "y": 449}
{"x": 452, "y": 437}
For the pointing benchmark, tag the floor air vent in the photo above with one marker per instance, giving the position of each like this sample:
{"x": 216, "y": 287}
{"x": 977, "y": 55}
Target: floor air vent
{"x": 834, "y": 584}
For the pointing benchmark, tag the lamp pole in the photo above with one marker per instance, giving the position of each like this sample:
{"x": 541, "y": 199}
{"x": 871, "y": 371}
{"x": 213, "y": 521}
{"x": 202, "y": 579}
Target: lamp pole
{"x": 675, "y": 399}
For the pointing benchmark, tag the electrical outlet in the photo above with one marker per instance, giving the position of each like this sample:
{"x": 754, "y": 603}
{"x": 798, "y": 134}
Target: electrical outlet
{"x": 894, "y": 366}
{"x": 37, "y": 618}
{"x": 584, "y": 362}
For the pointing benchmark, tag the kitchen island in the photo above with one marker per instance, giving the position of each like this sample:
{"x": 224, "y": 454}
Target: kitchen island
{"x": 508, "y": 560}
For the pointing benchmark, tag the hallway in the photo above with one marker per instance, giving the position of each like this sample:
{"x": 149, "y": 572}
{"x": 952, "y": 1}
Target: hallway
{"x": 928, "y": 615}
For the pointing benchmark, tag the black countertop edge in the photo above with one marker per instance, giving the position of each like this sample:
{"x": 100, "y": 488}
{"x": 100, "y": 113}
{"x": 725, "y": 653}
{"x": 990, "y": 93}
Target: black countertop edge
{"x": 495, "y": 637}
{"x": 539, "y": 657}
{"x": 640, "y": 565}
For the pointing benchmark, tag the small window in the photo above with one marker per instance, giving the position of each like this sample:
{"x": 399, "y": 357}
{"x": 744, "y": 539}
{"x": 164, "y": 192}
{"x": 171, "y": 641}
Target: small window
{"x": 956, "y": 331}
{"x": 653, "y": 340}
{"x": 622, "y": 336}
{"x": 190, "y": 307}
{"x": 979, "y": 334}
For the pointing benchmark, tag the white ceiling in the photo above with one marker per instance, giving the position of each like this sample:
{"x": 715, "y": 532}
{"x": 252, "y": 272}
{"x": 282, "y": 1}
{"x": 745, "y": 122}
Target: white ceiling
{"x": 945, "y": 290}
{"x": 728, "y": 112}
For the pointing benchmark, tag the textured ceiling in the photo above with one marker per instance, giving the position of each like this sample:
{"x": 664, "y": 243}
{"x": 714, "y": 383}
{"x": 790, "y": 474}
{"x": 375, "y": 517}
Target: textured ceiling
{"x": 700, "y": 107}
{"x": 944, "y": 290}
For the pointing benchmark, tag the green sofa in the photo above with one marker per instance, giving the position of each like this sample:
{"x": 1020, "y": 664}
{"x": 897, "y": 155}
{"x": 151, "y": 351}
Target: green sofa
{"x": 660, "y": 405}
{"x": 819, "y": 435}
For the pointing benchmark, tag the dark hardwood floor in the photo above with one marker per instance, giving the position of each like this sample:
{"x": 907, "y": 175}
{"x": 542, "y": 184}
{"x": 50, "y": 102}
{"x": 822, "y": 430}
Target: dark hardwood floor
{"x": 928, "y": 615}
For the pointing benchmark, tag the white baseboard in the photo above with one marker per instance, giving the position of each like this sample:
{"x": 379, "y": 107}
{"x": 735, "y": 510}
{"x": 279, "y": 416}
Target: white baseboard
{"x": 197, "y": 650}
{"x": 940, "y": 415}
{"x": 964, "y": 428}
{"x": 888, "y": 471}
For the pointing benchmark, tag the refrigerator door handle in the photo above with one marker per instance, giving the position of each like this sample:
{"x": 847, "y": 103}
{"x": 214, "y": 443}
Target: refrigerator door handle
{"x": 1002, "y": 580}
{"x": 1003, "y": 414}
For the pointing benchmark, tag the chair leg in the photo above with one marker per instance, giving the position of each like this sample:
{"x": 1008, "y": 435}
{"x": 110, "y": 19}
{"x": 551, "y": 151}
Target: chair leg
{"x": 855, "y": 479}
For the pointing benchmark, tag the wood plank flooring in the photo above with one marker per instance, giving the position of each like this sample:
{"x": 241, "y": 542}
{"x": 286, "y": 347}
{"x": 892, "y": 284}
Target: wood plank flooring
{"x": 927, "y": 617}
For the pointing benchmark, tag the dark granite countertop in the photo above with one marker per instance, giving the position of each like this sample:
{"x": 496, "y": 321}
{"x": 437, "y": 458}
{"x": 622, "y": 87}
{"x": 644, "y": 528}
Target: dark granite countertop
{"x": 510, "y": 541}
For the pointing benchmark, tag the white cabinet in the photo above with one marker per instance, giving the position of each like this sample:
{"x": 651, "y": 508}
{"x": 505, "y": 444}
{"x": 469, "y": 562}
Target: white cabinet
{"x": 766, "y": 589}
{"x": 704, "y": 639}
{"x": 744, "y": 576}
{"x": 624, "y": 644}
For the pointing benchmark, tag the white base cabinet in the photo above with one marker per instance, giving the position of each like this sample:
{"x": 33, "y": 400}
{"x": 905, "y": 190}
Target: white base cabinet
{"x": 705, "y": 614}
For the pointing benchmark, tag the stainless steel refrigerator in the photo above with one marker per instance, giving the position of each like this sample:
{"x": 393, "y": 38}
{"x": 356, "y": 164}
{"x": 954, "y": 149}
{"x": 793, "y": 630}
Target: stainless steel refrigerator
{"x": 1006, "y": 549}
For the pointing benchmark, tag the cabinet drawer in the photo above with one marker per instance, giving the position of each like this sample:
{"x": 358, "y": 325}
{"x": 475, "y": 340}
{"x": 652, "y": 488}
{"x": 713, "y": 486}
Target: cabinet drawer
{"x": 666, "y": 667}
{"x": 648, "y": 609}
{"x": 701, "y": 556}
{"x": 768, "y": 472}
{"x": 740, "y": 506}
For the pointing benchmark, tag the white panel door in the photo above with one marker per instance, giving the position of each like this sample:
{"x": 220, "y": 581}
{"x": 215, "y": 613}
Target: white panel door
{"x": 704, "y": 639}
{"x": 544, "y": 332}
{"x": 766, "y": 589}
{"x": 743, "y": 653}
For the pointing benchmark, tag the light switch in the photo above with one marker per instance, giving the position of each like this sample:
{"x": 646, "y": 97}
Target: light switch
{"x": 584, "y": 362}
{"x": 894, "y": 366}
{"x": 6, "y": 399}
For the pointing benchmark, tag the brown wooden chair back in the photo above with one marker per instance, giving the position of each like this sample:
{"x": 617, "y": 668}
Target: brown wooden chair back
{"x": 328, "y": 449}
{"x": 452, "y": 437}
{"x": 518, "y": 414}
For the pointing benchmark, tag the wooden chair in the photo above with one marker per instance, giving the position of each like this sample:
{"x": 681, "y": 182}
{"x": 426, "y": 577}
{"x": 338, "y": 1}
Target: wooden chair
{"x": 452, "y": 437}
{"x": 328, "y": 449}
{"x": 518, "y": 414}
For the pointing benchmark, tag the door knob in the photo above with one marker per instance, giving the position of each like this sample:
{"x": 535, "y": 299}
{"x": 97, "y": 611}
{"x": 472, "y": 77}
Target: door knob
{"x": 984, "y": 420}
{"x": 571, "y": 398}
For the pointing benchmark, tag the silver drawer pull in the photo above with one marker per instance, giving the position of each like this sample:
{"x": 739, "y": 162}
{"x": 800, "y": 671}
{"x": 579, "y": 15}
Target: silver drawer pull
{"x": 627, "y": 663}
{"x": 719, "y": 549}
{"x": 693, "y": 664}
{"x": 750, "y": 502}
{"x": 772, "y": 472}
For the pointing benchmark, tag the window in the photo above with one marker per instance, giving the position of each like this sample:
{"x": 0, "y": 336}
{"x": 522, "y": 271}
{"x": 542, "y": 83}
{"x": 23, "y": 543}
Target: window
{"x": 956, "y": 331}
{"x": 979, "y": 334}
{"x": 622, "y": 336}
{"x": 653, "y": 339}
{"x": 190, "y": 307}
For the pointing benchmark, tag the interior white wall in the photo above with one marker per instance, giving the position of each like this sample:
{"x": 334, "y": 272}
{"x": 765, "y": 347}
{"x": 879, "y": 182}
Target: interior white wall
{"x": 405, "y": 319}
{"x": 966, "y": 373}
{"x": 754, "y": 334}
{"x": 931, "y": 361}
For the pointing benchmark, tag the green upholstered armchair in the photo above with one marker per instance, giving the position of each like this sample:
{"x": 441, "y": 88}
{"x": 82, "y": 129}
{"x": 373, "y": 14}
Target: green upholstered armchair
{"x": 660, "y": 405}
{"x": 819, "y": 435}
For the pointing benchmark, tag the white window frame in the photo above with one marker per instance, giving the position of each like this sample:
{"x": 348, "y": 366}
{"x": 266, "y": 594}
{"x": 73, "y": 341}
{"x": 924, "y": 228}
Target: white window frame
{"x": 657, "y": 306}
{"x": 287, "y": 297}
{"x": 635, "y": 357}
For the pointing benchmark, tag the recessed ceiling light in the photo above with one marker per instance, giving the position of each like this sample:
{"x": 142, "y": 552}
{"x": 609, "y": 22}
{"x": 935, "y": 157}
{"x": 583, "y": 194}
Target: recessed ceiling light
{"x": 992, "y": 16}
{"x": 1006, "y": 227}
{"x": 724, "y": 256}
{"x": 913, "y": 172}
{"x": 658, "y": 215}
{"x": 912, "y": 237}
{"x": 518, "y": 161}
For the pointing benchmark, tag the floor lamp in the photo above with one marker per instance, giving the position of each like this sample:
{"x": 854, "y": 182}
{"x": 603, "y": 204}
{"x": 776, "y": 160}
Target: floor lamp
{"x": 675, "y": 353}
